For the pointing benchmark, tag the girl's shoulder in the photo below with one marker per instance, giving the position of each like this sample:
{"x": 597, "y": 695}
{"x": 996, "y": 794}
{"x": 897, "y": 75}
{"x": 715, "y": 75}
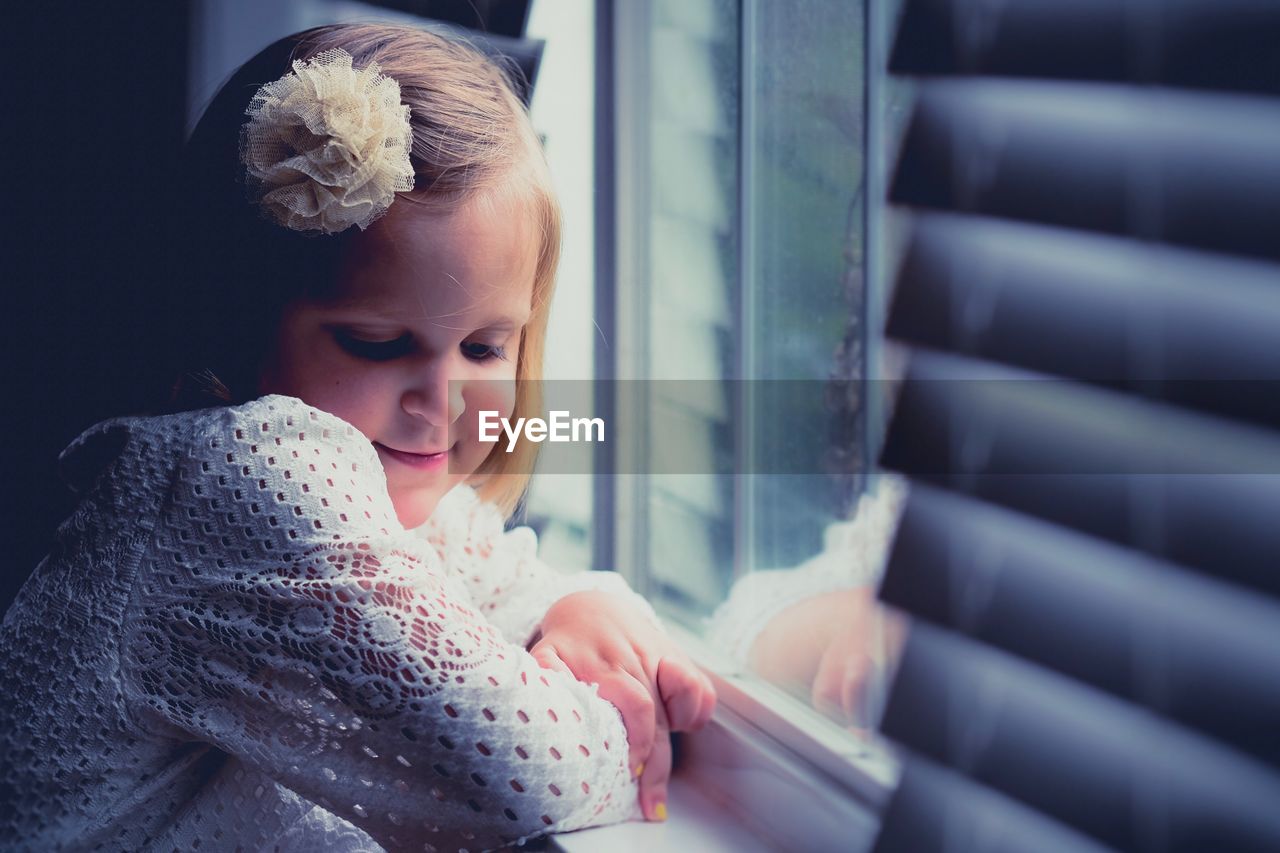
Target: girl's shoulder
{"x": 274, "y": 450}
{"x": 256, "y": 415}
{"x": 282, "y": 433}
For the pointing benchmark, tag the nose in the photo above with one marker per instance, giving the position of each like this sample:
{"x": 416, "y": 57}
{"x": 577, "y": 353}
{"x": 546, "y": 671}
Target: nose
{"x": 431, "y": 396}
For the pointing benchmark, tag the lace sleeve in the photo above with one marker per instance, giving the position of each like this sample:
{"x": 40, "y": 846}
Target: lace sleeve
{"x": 283, "y": 616}
{"x": 511, "y": 586}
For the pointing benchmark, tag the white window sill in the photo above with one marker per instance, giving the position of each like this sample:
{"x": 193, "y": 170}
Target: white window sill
{"x": 761, "y": 776}
{"x": 696, "y": 822}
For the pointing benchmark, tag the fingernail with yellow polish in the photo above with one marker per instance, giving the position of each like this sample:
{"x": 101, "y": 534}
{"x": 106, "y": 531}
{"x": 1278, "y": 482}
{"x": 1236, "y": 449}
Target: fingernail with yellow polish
{"x": 660, "y": 811}
{"x": 639, "y": 770}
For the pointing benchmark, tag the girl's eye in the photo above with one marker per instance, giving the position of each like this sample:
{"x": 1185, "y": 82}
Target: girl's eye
{"x": 375, "y": 350}
{"x": 483, "y": 352}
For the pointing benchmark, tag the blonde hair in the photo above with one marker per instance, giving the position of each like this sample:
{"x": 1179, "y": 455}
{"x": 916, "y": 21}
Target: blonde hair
{"x": 472, "y": 141}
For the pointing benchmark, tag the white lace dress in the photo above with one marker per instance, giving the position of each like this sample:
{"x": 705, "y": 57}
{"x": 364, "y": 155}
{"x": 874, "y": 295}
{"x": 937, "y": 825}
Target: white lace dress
{"x": 234, "y": 645}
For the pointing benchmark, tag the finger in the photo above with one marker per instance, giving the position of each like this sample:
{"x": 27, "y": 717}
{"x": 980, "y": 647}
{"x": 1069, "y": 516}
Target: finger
{"x": 657, "y": 770}
{"x": 636, "y": 705}
{"x": 680, "y": 686}
{"x": 856, "y": 690}
{"x": 896, "y": 627}
{"x": 707, "y": 704}
{"x": 827, "y": 691}
{"x": 687, "y": 694}
{"x": 548, "y": 658}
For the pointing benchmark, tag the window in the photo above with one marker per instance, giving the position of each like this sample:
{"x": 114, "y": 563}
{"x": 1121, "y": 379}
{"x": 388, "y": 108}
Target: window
{"x": 741, "y": 313}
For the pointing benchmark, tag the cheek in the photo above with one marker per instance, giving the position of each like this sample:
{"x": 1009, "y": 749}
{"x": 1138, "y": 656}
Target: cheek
{"x": 332, "y": 385}
{"x": 491, "y": 395}
{"x": 500, "y": 396}
{"x": 486, "y": 396}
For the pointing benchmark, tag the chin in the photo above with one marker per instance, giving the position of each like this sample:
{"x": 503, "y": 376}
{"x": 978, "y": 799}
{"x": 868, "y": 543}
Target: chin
{"x": 414, "y": 510}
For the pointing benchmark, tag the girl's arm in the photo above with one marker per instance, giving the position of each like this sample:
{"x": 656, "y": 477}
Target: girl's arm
{"x": 588, "y": 624}
{"x": 281, "y": 615}
{"x": 510, "y": 585}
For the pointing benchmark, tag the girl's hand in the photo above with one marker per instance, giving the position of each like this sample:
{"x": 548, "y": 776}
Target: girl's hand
{"x": 830, "y": 649}
{"x": 599, "y": 637}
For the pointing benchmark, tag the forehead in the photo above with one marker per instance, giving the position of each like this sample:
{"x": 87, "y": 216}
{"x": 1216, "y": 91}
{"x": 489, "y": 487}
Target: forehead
{"x": 420, "y": 264}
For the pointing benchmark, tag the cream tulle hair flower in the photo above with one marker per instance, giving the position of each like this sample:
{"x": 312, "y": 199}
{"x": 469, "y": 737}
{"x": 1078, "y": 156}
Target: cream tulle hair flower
{"x": 328, "y": 145}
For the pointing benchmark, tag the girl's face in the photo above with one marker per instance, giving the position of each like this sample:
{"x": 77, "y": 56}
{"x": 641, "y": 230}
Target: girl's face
{"x": 425, "y": 325}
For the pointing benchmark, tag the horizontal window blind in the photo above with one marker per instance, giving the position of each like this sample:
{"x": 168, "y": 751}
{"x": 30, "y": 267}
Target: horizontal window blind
{"x": 1090, "y": 291}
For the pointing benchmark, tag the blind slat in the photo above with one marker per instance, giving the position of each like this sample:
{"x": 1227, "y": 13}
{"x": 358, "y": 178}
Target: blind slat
{"x": 1193, "y": 490}
{"x": 1223, "y": 44}
{"x": 1119, "y": 160}
{"x": 1203, "y": 653}
{"x": 1184, "y": 327}
{"x": 936, "y": 809}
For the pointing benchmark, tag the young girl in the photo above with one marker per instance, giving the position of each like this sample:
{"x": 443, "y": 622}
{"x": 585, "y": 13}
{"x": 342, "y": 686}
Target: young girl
{"x": 287, "y": 616}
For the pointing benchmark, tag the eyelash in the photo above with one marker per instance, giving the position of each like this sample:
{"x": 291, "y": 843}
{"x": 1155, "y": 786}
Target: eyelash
{"x": 490, "y": 352}
{"x": 374, "y": 350}
{"x": 388, "y": 350}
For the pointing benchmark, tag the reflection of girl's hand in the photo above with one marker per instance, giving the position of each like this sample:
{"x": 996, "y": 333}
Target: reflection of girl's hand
{"x": 830, "y": 649}
{"x": 601, "y": 638}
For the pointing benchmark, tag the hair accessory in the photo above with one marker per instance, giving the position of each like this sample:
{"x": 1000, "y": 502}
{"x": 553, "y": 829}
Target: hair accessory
{"x": 327, "y": 145}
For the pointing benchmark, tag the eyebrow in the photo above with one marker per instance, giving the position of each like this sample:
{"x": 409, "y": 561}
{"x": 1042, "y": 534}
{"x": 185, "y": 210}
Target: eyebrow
{"x": 366, "y": 306}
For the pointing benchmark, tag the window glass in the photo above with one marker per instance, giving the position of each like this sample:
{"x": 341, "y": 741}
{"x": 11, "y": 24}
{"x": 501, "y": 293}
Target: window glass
{"x": 744, "y": 188}
{"x": 803, "y": 282}
{"x": 691, "y": 299}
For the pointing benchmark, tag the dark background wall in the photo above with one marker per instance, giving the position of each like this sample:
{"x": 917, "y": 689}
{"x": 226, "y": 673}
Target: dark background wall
{"x": 94, "y": 121}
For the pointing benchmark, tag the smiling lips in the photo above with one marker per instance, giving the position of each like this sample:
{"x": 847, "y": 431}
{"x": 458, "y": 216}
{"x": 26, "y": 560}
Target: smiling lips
{"x": 419, "y": 461}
